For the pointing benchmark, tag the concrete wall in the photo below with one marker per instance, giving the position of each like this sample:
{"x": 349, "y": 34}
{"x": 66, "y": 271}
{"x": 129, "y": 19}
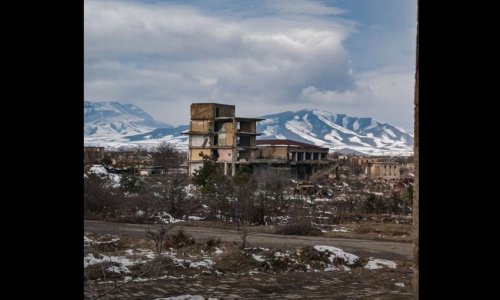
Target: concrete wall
{"x": 226, "y": 135}
{"x": 200, "y": 126}
{"x": 388, "y": 171}
{"x": 225, "y": 155}
{"x": 199, "y": 141}
{"x": 211, "y": 110}
{"x": 93, "y": 154}
{"x": 272, "y": 152}
{"x": 197, "y": 154}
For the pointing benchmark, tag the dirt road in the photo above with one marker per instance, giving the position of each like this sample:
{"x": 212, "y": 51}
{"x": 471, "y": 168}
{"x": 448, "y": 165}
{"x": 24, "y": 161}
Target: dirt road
{"x": 378, "y": 249}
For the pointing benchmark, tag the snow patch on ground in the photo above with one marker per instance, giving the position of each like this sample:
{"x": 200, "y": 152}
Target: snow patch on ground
{"x": 373, "y": 263}
{"x": 167, "y": 218}
{"x": 101, "y": 171}
{"x": 122, "y": 261}
{"x": 258, "y": 257}
{"x": 98, "y": 170}
{"x": 377, "y": 263}
{"x": 207, "y": 263}
{"x": 337, "y": 252}
{"x": 340, "y": 229}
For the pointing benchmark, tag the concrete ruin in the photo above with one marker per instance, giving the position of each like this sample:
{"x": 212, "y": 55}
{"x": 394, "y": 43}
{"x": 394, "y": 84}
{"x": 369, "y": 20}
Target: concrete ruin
{"x": 93, "y": 155}
{"x": 289, "y": 158}
{"x": 216, "y": 133}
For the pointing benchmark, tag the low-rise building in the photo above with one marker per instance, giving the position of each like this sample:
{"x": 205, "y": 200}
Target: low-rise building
{"x": 287, "y": 157}
{"x": 383, "y": 170}
{"x": 93, "y": 155}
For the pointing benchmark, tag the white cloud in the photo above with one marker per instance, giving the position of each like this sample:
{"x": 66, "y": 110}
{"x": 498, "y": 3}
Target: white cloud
{"x": 302, "y": 7}
{"x": 385, "y": 94}
{"x": 162, "y": 57}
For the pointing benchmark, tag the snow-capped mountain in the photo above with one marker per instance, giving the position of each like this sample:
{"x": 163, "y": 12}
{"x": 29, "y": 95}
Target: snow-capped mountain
{"x": 112, "y": 124}
{"x": 114, "y": 118}
{"x": 338, "y": 132}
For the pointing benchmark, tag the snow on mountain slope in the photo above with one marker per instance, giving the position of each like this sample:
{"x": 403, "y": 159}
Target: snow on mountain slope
{"x": 114, "y": 118}
{"x": 112, "y": 124}
{"x": 338, "y": 132}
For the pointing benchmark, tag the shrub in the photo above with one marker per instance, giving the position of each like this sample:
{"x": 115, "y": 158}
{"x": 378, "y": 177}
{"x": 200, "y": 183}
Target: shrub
{"x": 237, "y": 261}
{"x": 180, "y": 239}
{"x": 314, "y": 258}
{"x": 280, "y": 263}
{"x": 158, "y": 237}
{"x": 359, "y": 263}
{"x": 213, "y": 242}
{"x": 100, "y": 271}
{"x": 362, "y": 229}
{"x": 339, "y": 261}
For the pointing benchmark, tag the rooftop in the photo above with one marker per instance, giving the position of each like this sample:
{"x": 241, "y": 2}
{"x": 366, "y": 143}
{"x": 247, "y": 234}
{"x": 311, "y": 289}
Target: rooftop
{"x": 286, "y": 143}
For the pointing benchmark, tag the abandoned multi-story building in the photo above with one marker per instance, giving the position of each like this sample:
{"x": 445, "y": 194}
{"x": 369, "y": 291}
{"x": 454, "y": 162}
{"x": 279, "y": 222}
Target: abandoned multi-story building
{"x": 215, "y": 132}
{"x": 93, "y": 155}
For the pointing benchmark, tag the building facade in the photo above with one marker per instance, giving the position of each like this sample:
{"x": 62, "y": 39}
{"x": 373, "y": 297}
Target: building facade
{"x": 93, "y": 155}
{"x": 289, "y": 158}
{"x": 383, "y": 170}
{"x": 216, "y": 133}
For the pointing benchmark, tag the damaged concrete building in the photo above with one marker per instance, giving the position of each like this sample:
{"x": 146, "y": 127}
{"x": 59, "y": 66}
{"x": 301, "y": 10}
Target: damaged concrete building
{"x": 93, "y": 155}
{"x": 215, "y": 132}
{"x": 383, "y": 169}
{"x": 289, "y": 158}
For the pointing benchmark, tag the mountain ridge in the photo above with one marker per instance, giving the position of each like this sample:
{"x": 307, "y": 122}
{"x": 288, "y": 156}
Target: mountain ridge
{"x": 338, "y": 132}
{"x": 111, "y": 117}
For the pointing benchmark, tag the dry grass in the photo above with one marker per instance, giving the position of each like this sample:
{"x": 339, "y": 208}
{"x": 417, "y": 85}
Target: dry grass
{"x": 376, "y": 231}
{"x": 302, "y": 228}
{"x": 212, "y": 242}
{"x": 236, "y": 261}
{"x": 368, "y": 230}
{"x": 385, "y": 229}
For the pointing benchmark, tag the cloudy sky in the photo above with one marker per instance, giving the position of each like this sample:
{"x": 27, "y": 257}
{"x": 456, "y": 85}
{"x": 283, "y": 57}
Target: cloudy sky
{"x": 353, "y": 56}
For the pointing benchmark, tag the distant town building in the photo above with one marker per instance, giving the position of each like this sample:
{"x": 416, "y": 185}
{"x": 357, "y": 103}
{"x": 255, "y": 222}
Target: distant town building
{"x": 93, "y": 155}
{"x": 383, "y": 170}
{"x": 120, "y": 159}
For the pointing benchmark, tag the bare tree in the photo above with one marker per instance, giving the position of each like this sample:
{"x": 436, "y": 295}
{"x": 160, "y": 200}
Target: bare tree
{"x": 167, "y": 156}
{"x": 158, "y": 237}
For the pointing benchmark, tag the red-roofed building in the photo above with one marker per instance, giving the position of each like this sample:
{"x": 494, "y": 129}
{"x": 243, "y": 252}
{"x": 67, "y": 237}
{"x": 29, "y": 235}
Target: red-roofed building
{"x": 298, "y": 159}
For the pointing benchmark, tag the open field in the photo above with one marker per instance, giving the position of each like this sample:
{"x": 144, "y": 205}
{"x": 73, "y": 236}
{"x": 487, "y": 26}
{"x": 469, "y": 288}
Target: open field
{"x": 203, "y": 263}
